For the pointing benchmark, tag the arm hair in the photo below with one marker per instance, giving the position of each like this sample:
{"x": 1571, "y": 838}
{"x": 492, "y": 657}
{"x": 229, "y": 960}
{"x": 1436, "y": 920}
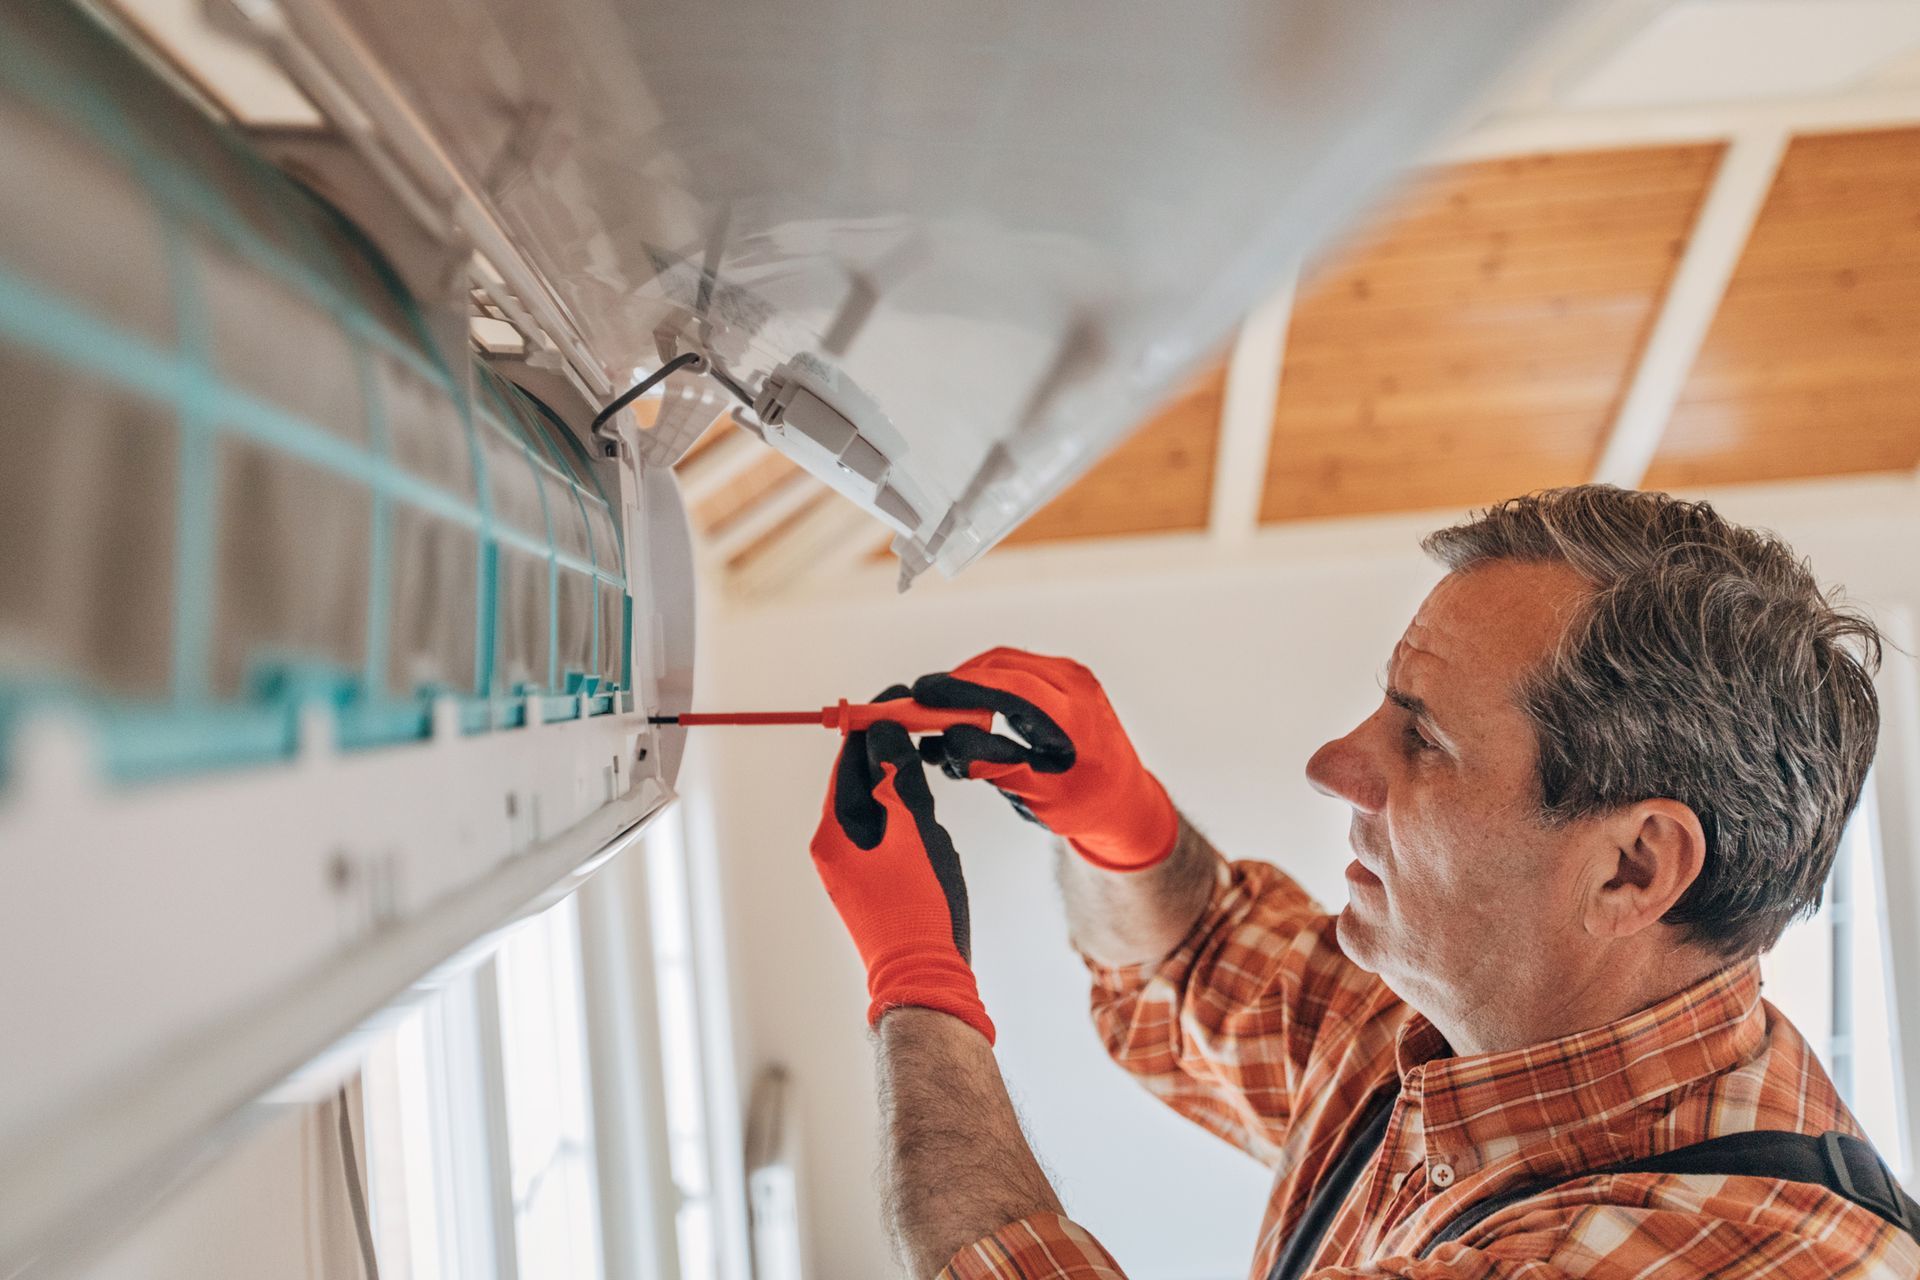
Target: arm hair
{"x": 957, "y": 1166}
{"x": 1118, "y": 918}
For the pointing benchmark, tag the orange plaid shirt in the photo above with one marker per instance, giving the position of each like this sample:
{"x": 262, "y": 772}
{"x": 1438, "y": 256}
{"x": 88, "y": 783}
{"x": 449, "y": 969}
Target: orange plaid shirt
{"x": 1261, "y": 1031}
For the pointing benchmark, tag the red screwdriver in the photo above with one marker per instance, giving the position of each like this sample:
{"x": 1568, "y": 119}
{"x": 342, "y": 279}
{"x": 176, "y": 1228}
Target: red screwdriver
{"x": 846, "y": 716}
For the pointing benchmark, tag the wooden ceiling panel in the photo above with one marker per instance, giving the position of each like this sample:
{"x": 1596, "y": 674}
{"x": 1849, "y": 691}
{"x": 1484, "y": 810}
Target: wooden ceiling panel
{"x": 1812, "y": 366}
{"x": 778, "y": 532}
{"x": 767, "y": 473}
{"x": 1475, "y": 340}
{"x": 1160, "y": 479}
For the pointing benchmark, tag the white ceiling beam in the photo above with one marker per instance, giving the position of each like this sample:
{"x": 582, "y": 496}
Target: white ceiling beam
{"x": 723, "y": 462}
{"x": 1246, "y": 418}
{"x": 1534, "y": 133}
{"x": 842, "y": 556}
{"x": 760, "y": 519}
{"x": 825, "y": 542}
{"x": 1327, "y": 542}
{"x": 1693, "y": 297}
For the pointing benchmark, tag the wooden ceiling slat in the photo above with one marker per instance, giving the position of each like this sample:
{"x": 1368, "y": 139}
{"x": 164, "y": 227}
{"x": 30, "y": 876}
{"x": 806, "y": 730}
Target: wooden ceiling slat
{"x": 1837, "y": 241}
{"x": 1159, "y": 480}
{"x": 1401, "y": 334}
{"x": 1482, "y": 408}
{"x": 1475, "y": 339}
{"x": 1547, "y": 176}
{"x": 1324, "y": 378}
{"x": 1554, "y": 431}
{"x": 1645, "y": 222}
{"x": 1453, "y": 195}
{"x": 1384, "y": 292}
{"x": 1434, "y": 335}
{"x": 1586, "y": 221}
{"x": 1463, "y": 467}
{"x": 1870, "y": 285}
{"x": 1548, "y": 256}
{"x": 1420, "y": 376}
{"x": 1853, "y": 153}
{"x": 1865, "y": 369}
{"x": 733, "y": 498}
{"x": 1812, "y": 366}
{"x": 1734, "y": 452}
{"x": 759, "y": 545}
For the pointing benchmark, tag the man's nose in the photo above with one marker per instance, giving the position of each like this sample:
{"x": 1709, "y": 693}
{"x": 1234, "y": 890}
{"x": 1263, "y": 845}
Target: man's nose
{"x": 1343, "y": 769}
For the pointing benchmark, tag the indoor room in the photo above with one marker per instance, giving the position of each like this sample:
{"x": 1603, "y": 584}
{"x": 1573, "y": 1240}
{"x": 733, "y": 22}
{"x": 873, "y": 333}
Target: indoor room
{"x": 847, "y": 642}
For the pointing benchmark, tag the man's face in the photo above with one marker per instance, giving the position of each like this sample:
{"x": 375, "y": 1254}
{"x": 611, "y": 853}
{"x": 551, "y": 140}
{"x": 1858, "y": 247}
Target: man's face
{"x": 1458, "y": 891}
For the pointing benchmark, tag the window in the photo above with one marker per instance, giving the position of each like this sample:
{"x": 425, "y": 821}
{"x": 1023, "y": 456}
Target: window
{"x": 669, "y": 904}
{"x": 480, "y": 1134}
{"x": 429, "y": 1154}
{"x": 1828, "y": 974}
{"x": 543, "y": 1049}
{"x": 486, "y": 1156}
{"x": 398, "y": 1093}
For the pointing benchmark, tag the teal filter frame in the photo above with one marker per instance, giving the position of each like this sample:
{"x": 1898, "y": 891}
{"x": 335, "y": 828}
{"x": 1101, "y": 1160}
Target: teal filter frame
{"x": 237, "y": 477}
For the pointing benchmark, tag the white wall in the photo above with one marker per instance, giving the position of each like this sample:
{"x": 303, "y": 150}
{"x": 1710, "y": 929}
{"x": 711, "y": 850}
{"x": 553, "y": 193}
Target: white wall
{"x": 1228, "y": 675}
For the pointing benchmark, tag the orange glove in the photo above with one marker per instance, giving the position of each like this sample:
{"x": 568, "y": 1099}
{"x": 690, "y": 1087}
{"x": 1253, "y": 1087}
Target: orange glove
{"x": 893, "y": 875}
{"x": 1079, "y": 776}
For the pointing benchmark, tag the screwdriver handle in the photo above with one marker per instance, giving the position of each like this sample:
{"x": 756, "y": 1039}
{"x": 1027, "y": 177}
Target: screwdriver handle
{"x": 849, "y": 717}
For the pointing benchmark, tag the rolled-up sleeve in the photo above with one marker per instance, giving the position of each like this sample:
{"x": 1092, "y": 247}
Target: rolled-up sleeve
{"x": 1043, "y": 1247}
{"x": 1223, "y": 1028}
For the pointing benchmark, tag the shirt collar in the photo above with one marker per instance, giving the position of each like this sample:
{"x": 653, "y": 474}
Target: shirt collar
{"x": 1476, "y": 1108}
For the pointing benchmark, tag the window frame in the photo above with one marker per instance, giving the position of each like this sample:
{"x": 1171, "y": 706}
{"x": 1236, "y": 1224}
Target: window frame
{"x": 1897, "y": 815}
{"x": 637, "y": 1200}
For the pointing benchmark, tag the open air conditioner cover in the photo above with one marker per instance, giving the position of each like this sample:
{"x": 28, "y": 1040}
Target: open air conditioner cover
{"x": 1012, "y": 227}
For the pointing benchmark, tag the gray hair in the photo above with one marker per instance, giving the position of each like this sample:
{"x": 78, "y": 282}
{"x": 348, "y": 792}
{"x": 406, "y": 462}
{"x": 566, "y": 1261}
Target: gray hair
{"x": 1707, "y": 667}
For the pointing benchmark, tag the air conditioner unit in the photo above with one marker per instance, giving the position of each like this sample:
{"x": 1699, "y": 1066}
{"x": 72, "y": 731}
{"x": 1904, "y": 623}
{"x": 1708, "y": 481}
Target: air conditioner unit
{"x": 333, "y": 602}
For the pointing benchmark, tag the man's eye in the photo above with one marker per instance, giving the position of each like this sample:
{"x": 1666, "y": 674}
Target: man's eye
{"x": 1417, "y": 740}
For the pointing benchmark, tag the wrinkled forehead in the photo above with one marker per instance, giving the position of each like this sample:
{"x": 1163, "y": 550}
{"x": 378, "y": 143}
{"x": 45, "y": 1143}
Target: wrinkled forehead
{"x": 1482, "y": 629}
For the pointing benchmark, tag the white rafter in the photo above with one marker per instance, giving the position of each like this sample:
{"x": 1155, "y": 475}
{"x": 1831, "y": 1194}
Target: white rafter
{"x": 1536, "y": 133}
{"x": 724, "y": 461}
{"x": 822, "y": 544}
{"x": 1246, "y": 418}
{"x": 763, "y": 517}
{"x": 1693, "y": 297}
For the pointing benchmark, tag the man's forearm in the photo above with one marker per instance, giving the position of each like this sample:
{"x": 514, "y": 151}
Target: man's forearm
{"x": 958, "y": 1166}
{"x": 1137, "y": 917}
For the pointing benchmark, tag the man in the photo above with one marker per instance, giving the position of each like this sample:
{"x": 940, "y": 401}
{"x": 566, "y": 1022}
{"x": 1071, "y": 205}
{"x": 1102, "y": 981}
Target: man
{"x": 1617, "y": 748}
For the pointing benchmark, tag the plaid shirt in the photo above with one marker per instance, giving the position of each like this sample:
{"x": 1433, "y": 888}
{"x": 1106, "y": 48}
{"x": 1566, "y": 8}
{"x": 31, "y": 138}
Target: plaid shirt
{"x": 1260, "y": 1030}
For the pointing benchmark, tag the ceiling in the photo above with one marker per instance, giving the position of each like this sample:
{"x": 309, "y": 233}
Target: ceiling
{"x": 1728, "y": 190}
{"x": 1678, "y": 245}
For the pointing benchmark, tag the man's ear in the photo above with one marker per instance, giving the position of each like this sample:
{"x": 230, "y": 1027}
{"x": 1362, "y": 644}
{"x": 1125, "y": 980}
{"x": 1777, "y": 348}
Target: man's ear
{"x": 1657, "y": 848}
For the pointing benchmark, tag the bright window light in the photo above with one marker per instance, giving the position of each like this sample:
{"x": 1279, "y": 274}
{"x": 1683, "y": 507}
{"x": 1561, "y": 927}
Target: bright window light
{"x": 1828, "y": 974}
{"x": 480, "y": 1107}
{"x": 427, "y": 1142}
{"x": 398, "y": 1089}
{"x": 673, "y": 966}
{"x": 549, "y": 1128}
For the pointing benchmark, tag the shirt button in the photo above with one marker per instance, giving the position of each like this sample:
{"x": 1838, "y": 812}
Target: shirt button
{"x": 1441, "y": 1175}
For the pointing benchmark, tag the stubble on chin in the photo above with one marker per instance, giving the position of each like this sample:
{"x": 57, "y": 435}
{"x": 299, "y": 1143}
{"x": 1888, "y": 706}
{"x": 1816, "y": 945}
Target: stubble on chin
{"x": 1358, "y": 939}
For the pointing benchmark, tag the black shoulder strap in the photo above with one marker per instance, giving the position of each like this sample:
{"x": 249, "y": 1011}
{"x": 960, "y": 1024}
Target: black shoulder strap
{"x": 1304, "y": 1243}
{"x": 1839, "y": 1162}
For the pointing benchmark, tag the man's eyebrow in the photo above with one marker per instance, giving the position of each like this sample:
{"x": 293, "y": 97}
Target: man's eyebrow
{"x": 1409, "y": 703}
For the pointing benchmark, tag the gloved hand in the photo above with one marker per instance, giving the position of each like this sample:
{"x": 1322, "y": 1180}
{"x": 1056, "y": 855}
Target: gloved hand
{"x": 893, "y": 875}
{"x": 1079, "y": 776}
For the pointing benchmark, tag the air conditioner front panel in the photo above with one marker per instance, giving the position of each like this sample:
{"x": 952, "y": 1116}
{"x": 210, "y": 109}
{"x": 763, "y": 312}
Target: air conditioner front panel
{"x": 1012, "y": 227}
{"x": 323, "y": 654}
